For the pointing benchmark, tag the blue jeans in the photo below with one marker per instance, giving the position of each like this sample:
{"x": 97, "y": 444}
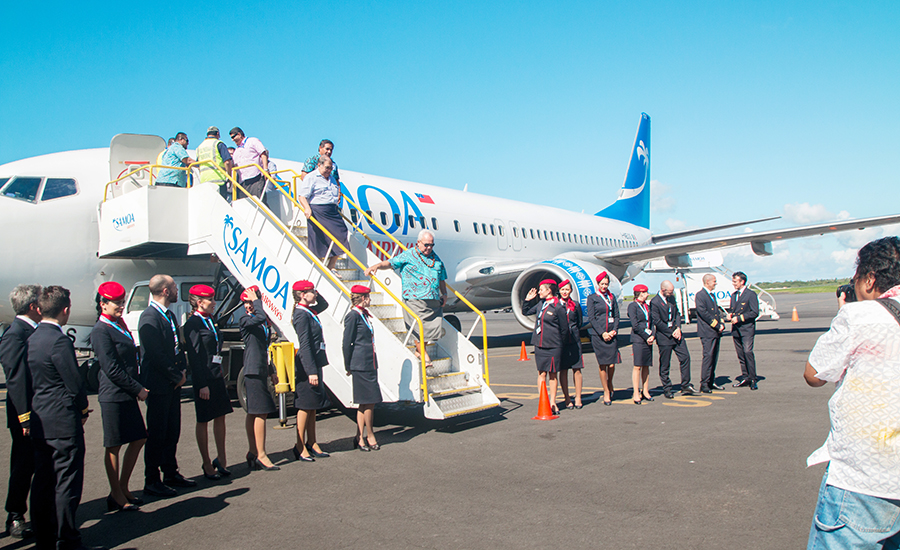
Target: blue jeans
{"x": 848, "y": 520}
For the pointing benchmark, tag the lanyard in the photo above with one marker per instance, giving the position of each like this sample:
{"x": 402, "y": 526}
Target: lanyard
{"x": 169, "y": 319}
{"x": 119, "y": 328}
{"x": 644, "y": 311}
{"x": 207, "y": 322}
{"x": 362, "y": 313}
{"x": 608, "y": 302}
{"x": 311, "y": 312}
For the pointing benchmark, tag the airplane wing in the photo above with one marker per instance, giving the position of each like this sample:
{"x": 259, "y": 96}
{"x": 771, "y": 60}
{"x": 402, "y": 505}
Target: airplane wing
{"x": 676, "y": 254}
{"x": 691, "y": 232}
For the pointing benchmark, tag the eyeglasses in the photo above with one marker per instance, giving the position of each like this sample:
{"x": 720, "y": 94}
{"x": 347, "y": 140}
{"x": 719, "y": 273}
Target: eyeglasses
{"x": 428, "y": 245}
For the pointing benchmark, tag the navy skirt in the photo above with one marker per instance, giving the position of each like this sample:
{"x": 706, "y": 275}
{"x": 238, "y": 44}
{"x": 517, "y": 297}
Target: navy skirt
{"x": 548, "y": 359}
{"x": 607, "y": 353}
{"x": 571, "y": 357}
{"x": 365, "y": 387}
{"x": 259, "y": 398}
{"x": 218, "y": 404}
{"x": 122, "y": 423}
{"x": 643, "y": 354}
{"x": 330, "y": 217}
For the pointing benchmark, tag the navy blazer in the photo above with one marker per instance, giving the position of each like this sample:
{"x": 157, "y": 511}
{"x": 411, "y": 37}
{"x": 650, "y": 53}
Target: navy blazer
{"x": 255, "y": 334}
{"x": 13, "y": 357}
{"x": 201, "y": 345}
{"x": 551, "y": 328}
{"x": 744, "y": 309}
{"x": 574, "y": 317}
{"x": 641, "y": 327}
{"x": 662, "y": 312}
{"x": 311, "y": 356}
{"x": 60, "y": 399}
{"x": 598, "y": 314}
{"x": 161, "y": 364}
{"x": 358, "y": 344}
{"x": 118, "y": 359}
{"x": 708, "y": 313}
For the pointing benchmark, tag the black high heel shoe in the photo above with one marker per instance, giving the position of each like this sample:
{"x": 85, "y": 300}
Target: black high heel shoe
{"x": 646, "y": 398}
{"x": 135, "y": 500}
{"x": 258, "y": 465}
{"x": 358, "y": 444}
{"x": 113, "y": 506}
{"x": 213, "y": 476}
{"x": 316, "y": 454}
{"x": 300, "y": 457}
{"x": 250, "y": 458}
{"x": 221, "y": 469}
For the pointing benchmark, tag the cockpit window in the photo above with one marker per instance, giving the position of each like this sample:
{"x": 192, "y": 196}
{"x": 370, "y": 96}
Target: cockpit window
{"x": 56, "y": 188}
{"x": 22, "y": 188}
{"x": 3, "y": 181}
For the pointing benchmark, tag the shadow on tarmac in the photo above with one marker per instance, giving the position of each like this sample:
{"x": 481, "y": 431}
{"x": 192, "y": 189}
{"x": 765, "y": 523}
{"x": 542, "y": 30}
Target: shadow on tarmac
{"x": 115, "y": 529}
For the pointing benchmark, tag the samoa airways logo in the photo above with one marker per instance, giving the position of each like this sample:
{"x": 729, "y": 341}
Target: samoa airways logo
{"x": 252, "y": 263}
{"x": 123, "y": 222}
{"x": 580, "y": 278}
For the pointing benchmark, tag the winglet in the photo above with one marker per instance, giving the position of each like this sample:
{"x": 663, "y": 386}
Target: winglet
{"x": 633, "y": 204}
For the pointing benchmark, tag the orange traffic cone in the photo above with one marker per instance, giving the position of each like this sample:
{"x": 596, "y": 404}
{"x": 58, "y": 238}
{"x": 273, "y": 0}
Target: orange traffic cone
{"x": 544, "y": 412}
{"x": 523, "y": 356}
{"x": 794, "y": 316}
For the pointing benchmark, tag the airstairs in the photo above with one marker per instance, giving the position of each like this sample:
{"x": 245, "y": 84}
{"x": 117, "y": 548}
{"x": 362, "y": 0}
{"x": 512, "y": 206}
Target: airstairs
{"x": 259, "y": 248}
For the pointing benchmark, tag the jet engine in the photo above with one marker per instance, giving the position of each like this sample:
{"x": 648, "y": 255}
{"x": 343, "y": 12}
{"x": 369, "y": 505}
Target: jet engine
{"x": 580, "y": 272}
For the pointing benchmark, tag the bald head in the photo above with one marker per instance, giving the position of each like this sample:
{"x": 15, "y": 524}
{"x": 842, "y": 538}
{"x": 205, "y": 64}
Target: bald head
{"x": 163, "y": 289}
{"x": 709, "y": 281}
{"x": 666, "y": 288}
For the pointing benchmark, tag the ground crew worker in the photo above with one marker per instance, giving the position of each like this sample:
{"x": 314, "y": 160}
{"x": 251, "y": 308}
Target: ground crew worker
{"x": 215, "y": 150}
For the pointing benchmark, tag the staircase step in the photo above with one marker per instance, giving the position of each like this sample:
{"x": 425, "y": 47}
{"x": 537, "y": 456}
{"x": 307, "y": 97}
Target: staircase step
{"x": 440, "y": 367}
{"x": 394, "y": 324}
{"x": 448, "y": 383}
{"x": 462, "y": 404}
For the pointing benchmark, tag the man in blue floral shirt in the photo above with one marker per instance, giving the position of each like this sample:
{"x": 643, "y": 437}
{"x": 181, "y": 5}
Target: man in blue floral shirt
{"x": 326, "y": 148}
{"x": 423, "y": 274}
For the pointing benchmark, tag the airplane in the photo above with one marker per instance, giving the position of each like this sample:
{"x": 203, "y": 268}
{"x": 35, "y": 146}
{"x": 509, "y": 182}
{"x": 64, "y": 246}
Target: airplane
{"x": 494, "y": 249}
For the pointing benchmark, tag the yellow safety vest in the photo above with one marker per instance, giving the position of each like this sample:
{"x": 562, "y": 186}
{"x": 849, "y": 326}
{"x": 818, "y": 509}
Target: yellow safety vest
{"x": 209, "y": 150}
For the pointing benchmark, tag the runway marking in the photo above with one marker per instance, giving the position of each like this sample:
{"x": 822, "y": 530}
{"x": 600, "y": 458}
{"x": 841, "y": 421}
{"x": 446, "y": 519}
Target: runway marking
{"x": 696, "y": 400}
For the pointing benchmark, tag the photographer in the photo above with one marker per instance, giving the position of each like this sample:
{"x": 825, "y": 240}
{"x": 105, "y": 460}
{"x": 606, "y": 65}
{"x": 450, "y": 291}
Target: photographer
{"x": 859, "y": 499}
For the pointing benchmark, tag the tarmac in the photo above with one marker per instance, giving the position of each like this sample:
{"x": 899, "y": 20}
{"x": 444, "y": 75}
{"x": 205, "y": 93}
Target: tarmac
{"x": 725, "y": 470}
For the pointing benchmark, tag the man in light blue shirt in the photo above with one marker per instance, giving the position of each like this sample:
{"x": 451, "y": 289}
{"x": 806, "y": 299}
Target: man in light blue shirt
{"x": 175, "y": 155}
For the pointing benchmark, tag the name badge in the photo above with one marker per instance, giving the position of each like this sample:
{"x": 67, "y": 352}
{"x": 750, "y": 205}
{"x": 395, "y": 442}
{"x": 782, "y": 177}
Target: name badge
{"x": 671, "y": 324}
{"x": 322, "y": 346}
{"x": 217, "y": 359}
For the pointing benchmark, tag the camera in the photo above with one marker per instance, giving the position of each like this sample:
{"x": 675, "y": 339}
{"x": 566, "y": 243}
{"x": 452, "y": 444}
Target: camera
{"x": 849, "y": 292}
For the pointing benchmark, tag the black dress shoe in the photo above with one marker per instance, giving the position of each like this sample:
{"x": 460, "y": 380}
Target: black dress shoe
{"x": 135, "y": 500}
{"x": 316, "y": 454}
{"x": 83, "y": 547}
{"x": 741, "y": 384}
{"x": 159, "y": 489}
{"x": 705, "y": 390}
{"x": 688, "y": 391}
{"x": 669, "y": 394}
{"x": 18, "y": 528}
{"x": 179, "y": 480}
{"x": 221, "y": 469}
{"x": 716, "y": 387}
{"x": 753, "y": 385}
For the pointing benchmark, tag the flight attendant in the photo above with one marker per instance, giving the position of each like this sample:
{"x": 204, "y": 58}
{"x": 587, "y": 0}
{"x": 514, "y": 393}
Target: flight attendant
{"x": 361, "y": 363}
{"x": 551, "y": 331}
{"x": 255, "y": 333}
{"x": 118, "y": 394}
{"x": 571, "y": 358}
{"x": 642, "y": 338}
{"x": 603, "y": 316}
{"x": 211, "y": 401}
{"x": 309, "y": 388}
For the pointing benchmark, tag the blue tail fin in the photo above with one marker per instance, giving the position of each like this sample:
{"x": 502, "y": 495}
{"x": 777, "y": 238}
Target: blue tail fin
{"x": 633, "y": 204}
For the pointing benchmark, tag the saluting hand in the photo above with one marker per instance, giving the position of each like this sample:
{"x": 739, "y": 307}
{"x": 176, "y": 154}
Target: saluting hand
{"x": 531, "y": 294}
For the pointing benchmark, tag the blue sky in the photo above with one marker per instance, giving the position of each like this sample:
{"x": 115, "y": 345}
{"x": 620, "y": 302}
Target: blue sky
{"x": 757, "y": 108}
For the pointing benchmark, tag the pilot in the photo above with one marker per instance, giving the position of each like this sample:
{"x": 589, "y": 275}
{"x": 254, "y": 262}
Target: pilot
{"x": 163, "y": 373}
{"x": 59, "y": 409}
{"x": 326, "y": 149}
{"x": 309, "y": 388}
{"x": 571, "y": 358}
{"x": 203, "y": 344}
{"x": 118, "y": 394}
{"x": 361, "y": 363}
{"x": 603, "y": 316}
{"x": 744, "y": 311}
{"x": 551, "y": 332}
{"x": 666, "y": 320}
{"x": 710, "y": 326}
{"x": 642, "y": 337}
{"x": 13, "y": 357}
{"x": 175, "y": 155}
{"x": 319, "y": 194}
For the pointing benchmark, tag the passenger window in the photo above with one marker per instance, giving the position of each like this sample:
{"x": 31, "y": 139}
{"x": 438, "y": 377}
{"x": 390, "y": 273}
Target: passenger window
{"x": 354, "y": 215}
{"x": 369, "y": 213}
{"x": 515, "y": 232}
{"x": 557, "y": 236}
{"x": 397, "y": 221}
{"x": 412, "y": 221}
{"x": 532, "y": 233}
{"x": 434, "y": 224}
{"x": 383, "y": 219}
{"x": 456, "y": 225}
{"x": 484, "y": 228}
{"x": 22, "y": 188}
{"x": 492, "y": 229}
{"x": 546, "y": 238}
{"x": 551, "y": 236}
{"x": 475, "y": 224}
{"x": 500, "y": 228}
{"x": 140, "y": 300}
{"x": 422, "y": 222}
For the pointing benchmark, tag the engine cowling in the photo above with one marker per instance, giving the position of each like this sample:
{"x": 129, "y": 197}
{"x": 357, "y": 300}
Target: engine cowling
{"x": 581, "y": 274}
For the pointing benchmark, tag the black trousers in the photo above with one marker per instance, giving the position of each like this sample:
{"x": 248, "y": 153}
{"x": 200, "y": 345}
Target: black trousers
{"x": 743, "y": 345}
{"x": 21, "y": 468}
{"x": 684, "y": 359}
{"x": 163, "y": 431}
{"x": 255, "y": 186}
{"x": 56, "y": 491}
{"x": 710, "y": 358}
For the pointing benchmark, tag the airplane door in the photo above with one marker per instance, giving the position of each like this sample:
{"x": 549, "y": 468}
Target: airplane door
{"x": 516, "y": 236}
{"x": 128, "y": 152}
{"x": 502, "y": 235}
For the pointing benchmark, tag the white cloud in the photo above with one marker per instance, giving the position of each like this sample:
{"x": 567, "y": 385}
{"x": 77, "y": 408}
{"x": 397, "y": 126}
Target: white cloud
{"x": 660, "y": 199}
{"x": 858, "y": 238}
{"x": 804, "y": 213}
{"x": 844, "y": 257}
{"x": 676, "y": 225}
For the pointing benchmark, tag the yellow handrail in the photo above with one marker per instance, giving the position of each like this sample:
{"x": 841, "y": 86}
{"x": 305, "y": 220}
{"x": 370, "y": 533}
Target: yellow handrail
{"x": 287, "y": 231}
{"x": 148, "y": 167}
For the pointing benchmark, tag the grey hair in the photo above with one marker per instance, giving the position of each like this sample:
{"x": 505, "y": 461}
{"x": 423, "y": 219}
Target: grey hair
{"x": 23, "y": 296}
{"x": 424, "y": 232}
{"x": 323, "y": 160}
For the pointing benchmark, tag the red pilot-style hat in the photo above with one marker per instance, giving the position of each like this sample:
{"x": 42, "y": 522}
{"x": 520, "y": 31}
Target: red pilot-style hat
{"x": 111, "y": 291}
{"x": 360, "y": 289}
{"x": 202, "y": 291}
{"x": 303, "y": 285}
{"x": 602, "y": 276}
{"x": 549, "y": 282}
{"x": 565, "y": 282}
{"x": 641, "y": 288}
{"x": 245, "y": 297}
